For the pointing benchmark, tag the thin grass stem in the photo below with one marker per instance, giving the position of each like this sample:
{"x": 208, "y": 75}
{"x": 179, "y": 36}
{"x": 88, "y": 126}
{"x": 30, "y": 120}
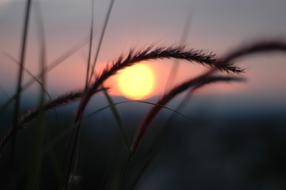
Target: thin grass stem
{"x": 17, "y": 105}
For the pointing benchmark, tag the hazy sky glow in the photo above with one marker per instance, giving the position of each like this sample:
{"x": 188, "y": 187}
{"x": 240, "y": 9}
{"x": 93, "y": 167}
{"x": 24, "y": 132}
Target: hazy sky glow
{"x": 216, "y": 25}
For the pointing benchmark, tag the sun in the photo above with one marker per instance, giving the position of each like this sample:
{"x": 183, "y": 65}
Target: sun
{"x": 136, "y": 82}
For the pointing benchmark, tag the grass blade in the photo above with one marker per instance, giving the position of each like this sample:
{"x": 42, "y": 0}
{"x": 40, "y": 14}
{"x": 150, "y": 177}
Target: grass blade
{"x": 131, "y": 59}
{"x": 227, "y": 60}
{"x": 209, "y": 80}
{"x": 49, "y": 68}
{"x": 148, "y": 54}
{"x": 106, "y": 20}
{"x": 191, "y": 83}
{"x": 90, "y": 44}
{"x": 36, "y": 159}
{"x": 30, "y": 115}
{"x": 118, "y": 120}
{"x": 176, "y": 64}
{"x": 138, "y": 101}
{"x": 158, "y": 140}
{"x": 74, "y": 155}
{"x": 17, "y": 105}
{"x": 90, "y": 115}
{"x": 31, "y": 75}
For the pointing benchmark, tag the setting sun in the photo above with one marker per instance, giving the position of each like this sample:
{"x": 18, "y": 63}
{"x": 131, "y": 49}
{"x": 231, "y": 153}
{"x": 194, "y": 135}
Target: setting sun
{"x": 136, "y": 82}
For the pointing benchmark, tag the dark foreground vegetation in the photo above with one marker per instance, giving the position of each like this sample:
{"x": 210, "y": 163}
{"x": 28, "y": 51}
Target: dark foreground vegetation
{"x": 44, "y": 147}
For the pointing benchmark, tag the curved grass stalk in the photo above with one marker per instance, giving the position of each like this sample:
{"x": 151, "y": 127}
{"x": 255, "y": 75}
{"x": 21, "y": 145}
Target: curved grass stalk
{"x": 163, "y": 101}
{"x": 154, "y": 148}
{"x": 90, "y": 115}
{"x": 30, "y": 115}
{"x": 176, "y": 64}
{"x": 209, "y": 80}
{"x": 259, "y": 47}
{"x": 228, "y": 59}
{"x": 142, "y": 102}
{"x": 151, "y": 53}
{"x": 133, "y": 58}
{"x": 54, "y": 103}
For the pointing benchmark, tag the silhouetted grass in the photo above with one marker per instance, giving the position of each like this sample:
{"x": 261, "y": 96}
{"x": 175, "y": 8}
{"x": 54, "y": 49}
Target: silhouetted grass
{"x": 72, "y": 161}
{"x": 20, "y": 75}
{"x": 30, "y": 115}
{"x": 94, "y": 83}
{"x": 101, "y": 38}
{"x": 151, "y": 53}
{"x": 90, "y": 48}
{"x": 33, "y": 179}
{"x": 50, "y": 67}
{"x": 26, "y": 70}
{"x": 228, "y": 59}
{"x": 176, "y": 64}
{"x": 193, "y": 83}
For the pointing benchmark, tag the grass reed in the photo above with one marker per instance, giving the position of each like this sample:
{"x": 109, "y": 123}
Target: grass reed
{"x": 252, "y": 48}
{"x": 228, "y": 59}
{"x": 38, "y": 141}
{"x": 101, "y": 38}
{"x": 151, "y": 53}
{"x": 176, "y": 64}
{"x": 17, "y": 105}
{"x": 133, "y": 57}
{"x": 118, "y": 120}
{"x": 207, "y": 78}
{"x": 26, "y": 70}
{"x": 72, "y": 162}
{"x": 90, "y": 48}
{"x": 31, "y": 114}
{"x": 53, "y": 103}
{"x": 224, "y": 63}
{"x": 193, "y": 82}
{"x": 49, "y": 68}
{"x": 154, "y": 148}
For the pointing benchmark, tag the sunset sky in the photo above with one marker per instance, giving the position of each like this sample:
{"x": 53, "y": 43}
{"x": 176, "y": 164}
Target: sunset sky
{"x": 216, "y": 26}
